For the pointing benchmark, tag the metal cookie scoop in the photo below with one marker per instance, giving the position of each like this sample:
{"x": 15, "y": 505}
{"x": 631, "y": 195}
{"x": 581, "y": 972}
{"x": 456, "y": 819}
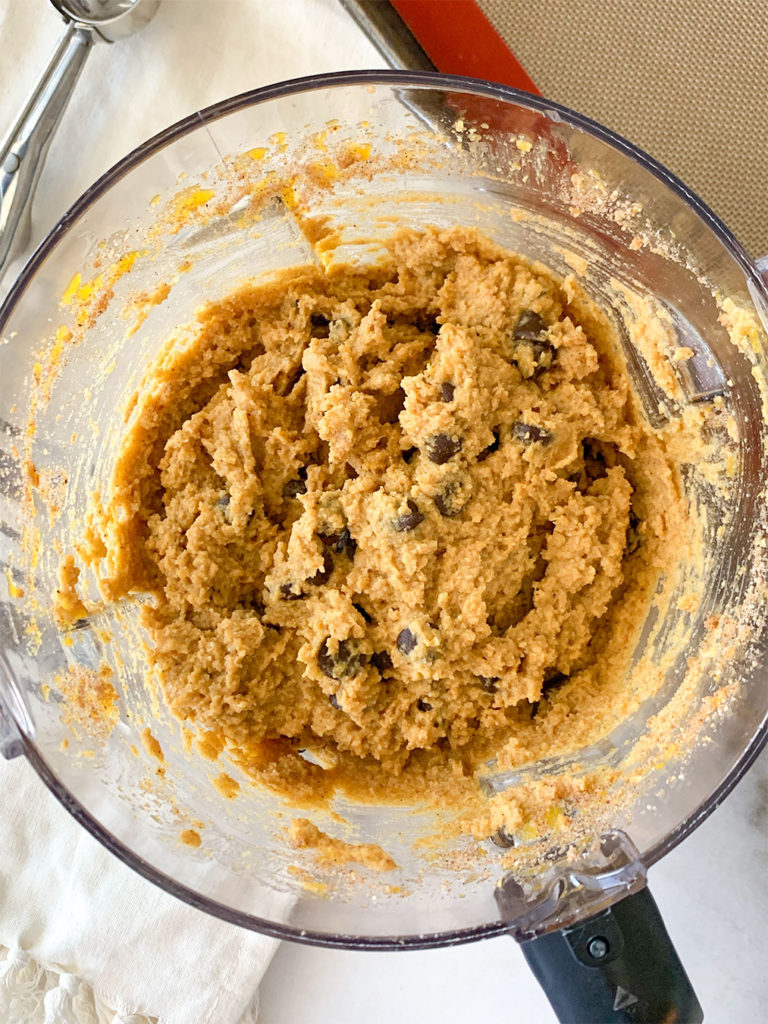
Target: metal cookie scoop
{"x": 24, "y": 149}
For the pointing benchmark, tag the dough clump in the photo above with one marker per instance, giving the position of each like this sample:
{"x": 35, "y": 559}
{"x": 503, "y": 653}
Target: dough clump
{"x": 393, "y": 516}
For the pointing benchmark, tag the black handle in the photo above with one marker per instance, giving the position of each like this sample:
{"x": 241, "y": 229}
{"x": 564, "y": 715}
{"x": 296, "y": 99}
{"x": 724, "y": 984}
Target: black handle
{"x": 619, "y": 965}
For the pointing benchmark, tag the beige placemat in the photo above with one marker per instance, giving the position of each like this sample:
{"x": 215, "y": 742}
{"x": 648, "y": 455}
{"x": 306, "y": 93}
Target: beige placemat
{"x": 685, "y": 81}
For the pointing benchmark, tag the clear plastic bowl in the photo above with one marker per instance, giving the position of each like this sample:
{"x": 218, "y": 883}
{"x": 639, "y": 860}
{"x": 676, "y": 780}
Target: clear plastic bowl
{"x": 539, "y": 179}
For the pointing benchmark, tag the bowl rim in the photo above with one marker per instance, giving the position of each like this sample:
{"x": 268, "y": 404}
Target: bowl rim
{"x": 200, "y": 119}
{"x": 424, "y": 79}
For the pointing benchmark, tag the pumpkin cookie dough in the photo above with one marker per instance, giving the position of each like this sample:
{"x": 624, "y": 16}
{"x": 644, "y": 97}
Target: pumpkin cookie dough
{"x": 395, "y": 521}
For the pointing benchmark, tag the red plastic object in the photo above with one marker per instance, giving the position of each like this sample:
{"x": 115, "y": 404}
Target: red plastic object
{"x": 459, "y": 39}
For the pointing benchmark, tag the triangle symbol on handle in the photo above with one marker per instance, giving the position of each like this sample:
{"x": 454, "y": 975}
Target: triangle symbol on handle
{"x": 624, "y": 999}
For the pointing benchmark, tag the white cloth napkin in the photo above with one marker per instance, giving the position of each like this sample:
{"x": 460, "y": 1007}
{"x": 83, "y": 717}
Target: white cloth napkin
{"x": 72, "y": 905}
{"x": 71, "y": 915}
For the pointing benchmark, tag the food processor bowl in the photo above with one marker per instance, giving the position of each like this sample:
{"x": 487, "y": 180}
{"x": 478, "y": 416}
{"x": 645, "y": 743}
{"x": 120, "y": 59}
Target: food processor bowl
{"x": 231, "y": 194}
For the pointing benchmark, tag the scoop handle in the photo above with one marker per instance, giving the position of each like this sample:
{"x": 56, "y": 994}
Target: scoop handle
{"x": 23, "y": 151}
{"x": 617, "y": 966}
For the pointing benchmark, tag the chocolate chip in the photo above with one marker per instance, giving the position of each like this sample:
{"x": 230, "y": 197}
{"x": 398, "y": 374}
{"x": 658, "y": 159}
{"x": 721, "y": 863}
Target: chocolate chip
{"x": 342, "y": 543}
{"x": 422, "y": 705}
{"x": 543, "y": 355}
{"x": 382, "y": 661}
{"x": 503, "y": 837}
{"x": 449, "y": 502}
{"x": 326, "y": 661}
{"x": 448, "y": 391}
{"x": 346, "y": 662}
{"x": 532, "y": 331}
{"x": 442, "y": 503}
{"x": 442, "y": 447}
{"x": 297, "y": 486}
{"x": 222, "y": 504}
{"x": 406, "y": 641}
{"x": 335, "y": 702}
{"x": 345, "y": 544}
{"x": 535, "y": 708}
{"x": 408, "y": 520}
{"x": 291, "y": 592}
{"x": 488, "y": 683}
{"x": 339, "y": 329}
{"x": 324, "y": 574}
{"x": 365, "y": 615}
{"x": 492, "y": 447}
{"x": 294, "y": 488}
{"x": 408, "y": 454}
{"x": 529, "y": 327}
{"x": 529, "y": 433}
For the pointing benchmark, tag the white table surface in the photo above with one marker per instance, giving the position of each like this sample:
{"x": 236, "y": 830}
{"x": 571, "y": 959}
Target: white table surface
{"x": 712, "y": 891}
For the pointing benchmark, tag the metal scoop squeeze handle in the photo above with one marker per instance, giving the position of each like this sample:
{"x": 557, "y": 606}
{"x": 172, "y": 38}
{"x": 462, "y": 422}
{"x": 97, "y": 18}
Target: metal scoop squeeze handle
{"x": 24, "y": 150}
{"x": 23, "y": 153}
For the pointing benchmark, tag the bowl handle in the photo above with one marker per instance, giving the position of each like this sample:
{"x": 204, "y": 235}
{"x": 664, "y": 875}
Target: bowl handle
{"x": 618, "y": 965}
{"x": 593, "y": 937}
